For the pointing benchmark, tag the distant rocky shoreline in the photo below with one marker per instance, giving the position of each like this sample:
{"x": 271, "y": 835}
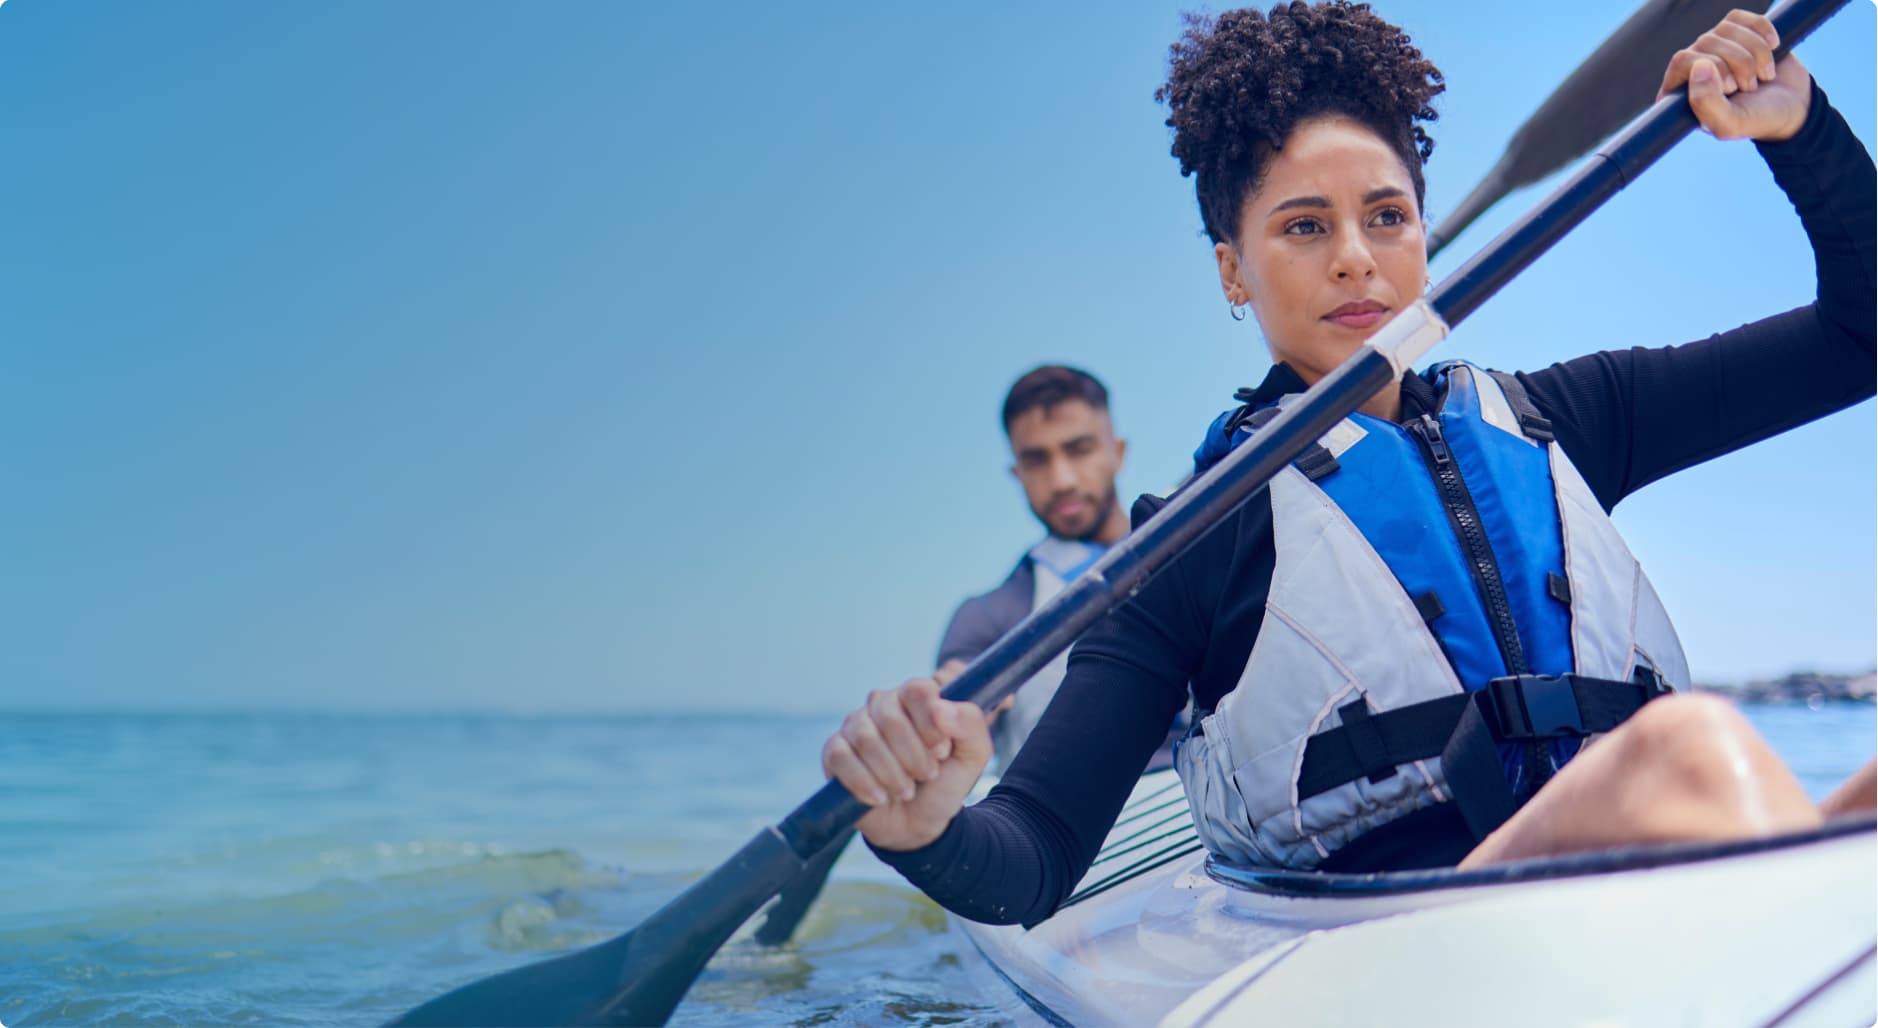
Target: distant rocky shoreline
{"x": 1806, "y": 687}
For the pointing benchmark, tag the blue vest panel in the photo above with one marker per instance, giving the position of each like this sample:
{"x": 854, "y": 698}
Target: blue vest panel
{"x": 1383, "y": 488}
{"x": 1511, "y": 479}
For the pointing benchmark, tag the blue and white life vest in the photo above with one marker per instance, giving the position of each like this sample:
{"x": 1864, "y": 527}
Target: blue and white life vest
{"x": 1431, "y": 579}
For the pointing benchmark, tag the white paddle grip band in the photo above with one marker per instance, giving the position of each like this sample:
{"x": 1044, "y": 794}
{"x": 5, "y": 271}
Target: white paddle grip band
{"x": 1411, "y": 333}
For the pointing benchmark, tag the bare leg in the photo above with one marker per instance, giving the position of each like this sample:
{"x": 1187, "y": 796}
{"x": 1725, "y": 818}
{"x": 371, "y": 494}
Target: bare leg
{"x": 1856, "y": 795}
{"x": 1683, "y": 768}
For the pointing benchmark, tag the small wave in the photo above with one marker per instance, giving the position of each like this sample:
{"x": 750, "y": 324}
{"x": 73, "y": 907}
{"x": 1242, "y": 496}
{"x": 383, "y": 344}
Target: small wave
{"x": 482, "y": 878}
{"x": 362, "y": 946}
{"x": 491, "y": 867}
{"x": 470, "y": 907}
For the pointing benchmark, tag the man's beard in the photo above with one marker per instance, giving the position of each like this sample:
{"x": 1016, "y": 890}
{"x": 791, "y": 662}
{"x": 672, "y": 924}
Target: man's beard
{"x": 1104, "y": 506}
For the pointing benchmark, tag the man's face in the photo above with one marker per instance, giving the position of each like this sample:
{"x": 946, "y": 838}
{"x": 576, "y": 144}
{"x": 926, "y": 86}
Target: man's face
{"x": 1067, "y": 457}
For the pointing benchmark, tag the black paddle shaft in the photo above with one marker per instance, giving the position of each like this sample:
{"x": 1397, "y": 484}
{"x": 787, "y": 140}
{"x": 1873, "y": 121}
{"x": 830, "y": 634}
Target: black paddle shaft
{"x": 639, "y": 977}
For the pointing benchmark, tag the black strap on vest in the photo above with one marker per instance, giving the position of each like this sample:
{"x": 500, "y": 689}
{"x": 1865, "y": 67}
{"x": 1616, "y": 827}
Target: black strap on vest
{"x": 1366, "y": 743}
{"x": 1415, "y": 732}
{"x": 1558, "y": 587}
{"x": 1463, "y": 731}
{"x": 1315, "y": 462}
{"x": 1428, "y": 605}
{"x": 1537, "y": 426}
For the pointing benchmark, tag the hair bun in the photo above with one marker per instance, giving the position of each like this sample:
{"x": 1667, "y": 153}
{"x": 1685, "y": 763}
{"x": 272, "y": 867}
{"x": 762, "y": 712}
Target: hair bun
{"x": 1238, "y": 83}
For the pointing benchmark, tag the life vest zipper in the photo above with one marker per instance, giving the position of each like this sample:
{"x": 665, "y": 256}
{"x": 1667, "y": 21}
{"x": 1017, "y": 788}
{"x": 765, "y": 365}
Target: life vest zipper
{"x": 1464, "y": 517}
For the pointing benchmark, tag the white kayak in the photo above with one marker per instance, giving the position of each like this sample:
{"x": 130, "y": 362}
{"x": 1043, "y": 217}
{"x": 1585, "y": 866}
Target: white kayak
{"x": 1770, "y": 932}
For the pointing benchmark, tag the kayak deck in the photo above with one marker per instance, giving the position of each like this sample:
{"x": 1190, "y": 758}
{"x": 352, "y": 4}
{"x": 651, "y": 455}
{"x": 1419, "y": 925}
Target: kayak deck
{"x": 1757, "y": 932}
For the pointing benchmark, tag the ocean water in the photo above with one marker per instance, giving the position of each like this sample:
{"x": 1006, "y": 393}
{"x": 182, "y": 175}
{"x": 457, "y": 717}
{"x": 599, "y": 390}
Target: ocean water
{"x": 312, "y": 869}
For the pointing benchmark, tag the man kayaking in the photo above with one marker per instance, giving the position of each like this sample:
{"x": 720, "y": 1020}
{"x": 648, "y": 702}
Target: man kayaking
{"x": 1425, "y": 644}
{"x": 1065, "y": 454}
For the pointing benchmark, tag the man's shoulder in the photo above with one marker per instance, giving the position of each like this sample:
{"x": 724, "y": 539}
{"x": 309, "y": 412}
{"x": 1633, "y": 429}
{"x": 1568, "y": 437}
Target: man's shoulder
{"x": 981, "y": 619}
{"x": 1015, "y": 592}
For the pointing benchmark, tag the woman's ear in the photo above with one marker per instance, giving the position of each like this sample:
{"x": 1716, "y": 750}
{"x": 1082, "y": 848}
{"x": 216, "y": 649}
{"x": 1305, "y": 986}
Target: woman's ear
{"x": 1229, "y": 282}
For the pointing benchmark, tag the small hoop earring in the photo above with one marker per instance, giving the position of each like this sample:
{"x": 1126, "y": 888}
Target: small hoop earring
{"x": 1237, "y": 311}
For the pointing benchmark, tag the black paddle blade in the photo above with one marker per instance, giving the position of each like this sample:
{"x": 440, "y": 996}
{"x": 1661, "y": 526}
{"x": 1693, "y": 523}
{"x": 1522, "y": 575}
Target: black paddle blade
{"x": 790, "y": 907}
{"x": 1610, "y": 88}
{"x": 637, "y": 978}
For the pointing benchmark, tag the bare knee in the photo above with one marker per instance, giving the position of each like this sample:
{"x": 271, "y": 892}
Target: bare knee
{"x": 1685, "y": 733}
{"x": 1682, "y": 768}
{"x": 1689, "y": 743}
{"x": 1700, "y": 756}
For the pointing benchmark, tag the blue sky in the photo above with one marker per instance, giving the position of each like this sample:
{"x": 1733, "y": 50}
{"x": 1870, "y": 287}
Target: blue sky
{"x": 630, "y": 355}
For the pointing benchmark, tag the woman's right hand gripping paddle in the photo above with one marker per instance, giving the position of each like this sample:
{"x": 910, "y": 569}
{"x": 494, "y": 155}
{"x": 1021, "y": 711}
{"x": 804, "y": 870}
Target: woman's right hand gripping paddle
{"x": 912, "y": 757}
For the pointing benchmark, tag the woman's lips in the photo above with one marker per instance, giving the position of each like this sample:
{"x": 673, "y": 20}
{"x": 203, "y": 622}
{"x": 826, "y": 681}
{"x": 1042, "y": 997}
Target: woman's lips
{"x": 1361, "y": 319}
{"x": 1358, "y": 314}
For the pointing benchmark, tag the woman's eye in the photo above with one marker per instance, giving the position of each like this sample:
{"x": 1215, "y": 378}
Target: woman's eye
{"x": 1303, "y": 227}
{"x": 1389, "y": 216}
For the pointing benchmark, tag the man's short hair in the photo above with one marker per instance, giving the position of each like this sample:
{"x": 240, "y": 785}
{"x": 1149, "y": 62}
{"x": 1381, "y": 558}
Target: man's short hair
{"x": 1048, "y": 386}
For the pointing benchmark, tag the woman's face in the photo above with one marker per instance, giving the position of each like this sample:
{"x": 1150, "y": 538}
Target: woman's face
{"x": 1330, "y": 245}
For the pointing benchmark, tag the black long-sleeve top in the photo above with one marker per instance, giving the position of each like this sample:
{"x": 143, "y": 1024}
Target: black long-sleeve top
{"x": 1626, "y": 418}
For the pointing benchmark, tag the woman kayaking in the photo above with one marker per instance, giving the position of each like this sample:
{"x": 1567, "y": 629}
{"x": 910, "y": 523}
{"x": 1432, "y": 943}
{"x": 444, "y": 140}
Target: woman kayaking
{"x": 1425, "y": 644}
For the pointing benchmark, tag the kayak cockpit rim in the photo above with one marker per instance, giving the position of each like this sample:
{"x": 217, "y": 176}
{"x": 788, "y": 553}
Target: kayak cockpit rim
{"x": 1329, "y": 885}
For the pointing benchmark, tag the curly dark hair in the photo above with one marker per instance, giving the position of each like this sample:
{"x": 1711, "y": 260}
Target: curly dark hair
{"x": 1240, "y": 82}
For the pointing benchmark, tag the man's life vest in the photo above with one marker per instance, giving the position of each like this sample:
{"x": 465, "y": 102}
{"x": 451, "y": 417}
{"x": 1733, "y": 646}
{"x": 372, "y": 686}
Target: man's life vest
{"x": 1451, "y": 614}
{"x": 1054, "y": 563}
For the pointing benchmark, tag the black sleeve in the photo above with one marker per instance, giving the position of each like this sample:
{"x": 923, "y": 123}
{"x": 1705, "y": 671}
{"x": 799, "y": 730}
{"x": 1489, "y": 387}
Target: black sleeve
{"x": 1014, "y": 857}
{"x": 980, "y": 620}
{"x": 1629, "y": 417}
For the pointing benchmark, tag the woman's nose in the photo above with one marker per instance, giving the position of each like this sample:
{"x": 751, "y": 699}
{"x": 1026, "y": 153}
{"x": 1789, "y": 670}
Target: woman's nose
{"x": 1354, "y": 259}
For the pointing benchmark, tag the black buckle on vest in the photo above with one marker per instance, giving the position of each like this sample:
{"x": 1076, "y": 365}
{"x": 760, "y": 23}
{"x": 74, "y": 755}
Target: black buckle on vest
{"x": 1534, "y": 707}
